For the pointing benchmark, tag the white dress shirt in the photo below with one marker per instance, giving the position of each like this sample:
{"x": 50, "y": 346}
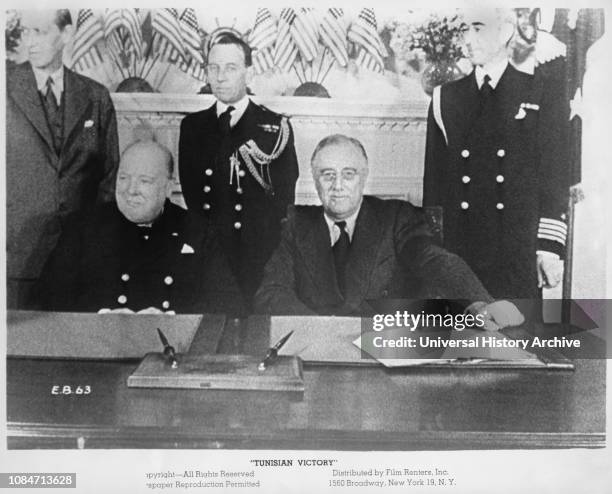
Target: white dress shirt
{"x": 494, "y": 71}
{"x": 239, "y": 109}
{"x": 334, "y": 230}
{"x": 58, "y": 82}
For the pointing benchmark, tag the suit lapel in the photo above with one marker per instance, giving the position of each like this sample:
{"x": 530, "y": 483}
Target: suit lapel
{"x": 244, "y": 126}
{"x": 23, "y": 89}
{"x": 76, "y": 100}
{"x": 315, "y": 246}
{"x": 210, "y": 136}
{"x": 472, "y": 98}
{"x": 364, "y": 251}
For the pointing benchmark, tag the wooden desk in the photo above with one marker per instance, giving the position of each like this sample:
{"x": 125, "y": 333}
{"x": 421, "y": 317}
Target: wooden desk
{"x": 343, "y": 408}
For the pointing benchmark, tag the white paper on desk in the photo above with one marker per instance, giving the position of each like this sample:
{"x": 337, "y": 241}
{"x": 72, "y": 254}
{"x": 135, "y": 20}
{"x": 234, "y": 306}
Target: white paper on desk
{"x": 324, "y": 339}
{"x": 473, "y": 355}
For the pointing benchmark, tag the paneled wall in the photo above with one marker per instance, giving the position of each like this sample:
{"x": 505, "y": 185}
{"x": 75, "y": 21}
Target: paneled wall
{"x": 393, "y": 135}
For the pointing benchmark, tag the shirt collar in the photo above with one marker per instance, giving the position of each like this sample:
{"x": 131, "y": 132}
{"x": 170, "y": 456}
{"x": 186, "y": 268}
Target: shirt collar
{"x": 58, "y": 81}
{"x": 494, "y": 70}
{"x": 239, "y": 108}
{"x": 334, "y": 231}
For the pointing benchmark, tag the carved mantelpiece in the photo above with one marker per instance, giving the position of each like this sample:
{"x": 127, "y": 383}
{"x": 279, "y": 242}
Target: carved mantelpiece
{"x": 393, "y": 134}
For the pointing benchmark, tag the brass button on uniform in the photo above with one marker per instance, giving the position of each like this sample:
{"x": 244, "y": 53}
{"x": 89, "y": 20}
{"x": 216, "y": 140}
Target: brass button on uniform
{"x": 465, "y": 179}
{"x": 122, "y": 299}
{"x": 237, "y": 225}
{"x": 238, "y": 207}
{"x": 465, "y": 153}
{"x": 501, "y": 153}
{"x": 241, "y": 173}
{"x": 500, "y": 206}
{"x": 166, "y": 304}
{"x": 206, "y": 206}
{"x": 207, "y": 188}
{"x": 239, "y": 190}
{"x": 499, "y": 179}
{"x": 168, "y": 280}
{"x": 125, "y": 277}
{"x": 465, "y": 205}
{"x": 208, "y": 172}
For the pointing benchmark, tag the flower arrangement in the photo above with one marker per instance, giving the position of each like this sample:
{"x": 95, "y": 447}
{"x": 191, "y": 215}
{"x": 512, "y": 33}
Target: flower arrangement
{"x": 439, "y": 38}
{"x": 12, "y": 31}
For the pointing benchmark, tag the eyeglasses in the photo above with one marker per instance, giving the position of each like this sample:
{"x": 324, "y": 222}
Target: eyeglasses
{"x": 348, "y": 175}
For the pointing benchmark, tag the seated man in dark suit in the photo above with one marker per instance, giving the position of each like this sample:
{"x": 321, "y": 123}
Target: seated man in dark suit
{"x": 333, "y": 259}
{"x": 142, "y": 253}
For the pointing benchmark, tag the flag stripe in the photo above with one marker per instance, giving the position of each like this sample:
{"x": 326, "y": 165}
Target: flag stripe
{"x": 364, "y": 34}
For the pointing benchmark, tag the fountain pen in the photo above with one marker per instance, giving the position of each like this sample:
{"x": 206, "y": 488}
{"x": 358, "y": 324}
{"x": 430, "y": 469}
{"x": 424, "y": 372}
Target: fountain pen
{"x": 168, "y": 349}
{"x": 272, "y": 352}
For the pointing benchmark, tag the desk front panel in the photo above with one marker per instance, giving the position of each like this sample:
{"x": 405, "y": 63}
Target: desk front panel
{"x": 367, "y": 408}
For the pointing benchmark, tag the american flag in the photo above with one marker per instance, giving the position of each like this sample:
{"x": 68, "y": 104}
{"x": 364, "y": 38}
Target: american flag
{"x": 333, "y": 34}
{"x": 191, "y": 35}
{"x": 305, "y": 32}
{"x": 285, "y": 49}
{"x": 262, "y": 39}
{"x": 193, "y": 64}
{"x": 167, "y": 34}
{"x": 370, "y": 49}
{"x": 122, "y": 31}
{"x": 89, "y": 31}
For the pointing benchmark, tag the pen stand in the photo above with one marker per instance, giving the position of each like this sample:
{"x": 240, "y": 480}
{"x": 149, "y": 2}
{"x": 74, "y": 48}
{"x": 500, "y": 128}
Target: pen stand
{"x": 218, "y": 372}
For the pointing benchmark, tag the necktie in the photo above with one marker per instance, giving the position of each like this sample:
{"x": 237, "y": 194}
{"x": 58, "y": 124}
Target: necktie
{"x": 54, "y": 118}
{"x": 224, "y": 120}
{"x": 50, "y": 96}
{"x": 341, "y": 249}
{"x": 486, "y": 90}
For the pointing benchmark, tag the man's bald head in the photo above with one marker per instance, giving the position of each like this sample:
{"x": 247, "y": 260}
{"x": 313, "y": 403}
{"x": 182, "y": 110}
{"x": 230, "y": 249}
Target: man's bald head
{"x": 153, "y": 150}
{"x": 144, "y": 180}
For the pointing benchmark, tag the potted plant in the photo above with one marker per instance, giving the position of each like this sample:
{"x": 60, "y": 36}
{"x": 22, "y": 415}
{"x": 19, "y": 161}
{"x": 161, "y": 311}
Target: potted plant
{"x": 439, "y": 39}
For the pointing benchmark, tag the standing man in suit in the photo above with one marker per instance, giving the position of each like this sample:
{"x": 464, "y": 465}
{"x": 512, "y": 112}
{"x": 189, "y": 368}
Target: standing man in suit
{"x": 496, "y": 161}
{"x": 333, "y": 259}
{"x": 237, "y": 164}
{"x": 61, "y": 149}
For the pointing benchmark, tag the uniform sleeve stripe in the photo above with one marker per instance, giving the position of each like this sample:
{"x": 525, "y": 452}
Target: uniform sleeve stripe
{"x": 550, "y": 229}
{"x": 551, "y": 223}
{"x": 437, "y": 111}
{"x": 551, "y": 237}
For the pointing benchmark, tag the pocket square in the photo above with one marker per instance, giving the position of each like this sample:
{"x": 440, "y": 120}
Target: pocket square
{"x": 88, "y": 123}
{"x": 187, "y": 249}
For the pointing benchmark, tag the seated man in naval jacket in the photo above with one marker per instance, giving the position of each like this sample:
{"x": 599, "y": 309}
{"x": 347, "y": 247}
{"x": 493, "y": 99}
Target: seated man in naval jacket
{"x": 336, "y": 258}
{"x": 142, "y": 253}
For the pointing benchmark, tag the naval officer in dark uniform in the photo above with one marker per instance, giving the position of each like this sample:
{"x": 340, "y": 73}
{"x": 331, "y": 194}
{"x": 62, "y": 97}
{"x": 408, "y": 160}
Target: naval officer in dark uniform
{"x": 142, "y": 253}
{"x": 237, "y": 164}
{"x": 496, "y": 162}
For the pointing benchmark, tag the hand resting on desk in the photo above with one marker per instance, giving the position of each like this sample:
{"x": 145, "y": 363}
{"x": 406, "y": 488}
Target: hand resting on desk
{"x": 498, "y": 315}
